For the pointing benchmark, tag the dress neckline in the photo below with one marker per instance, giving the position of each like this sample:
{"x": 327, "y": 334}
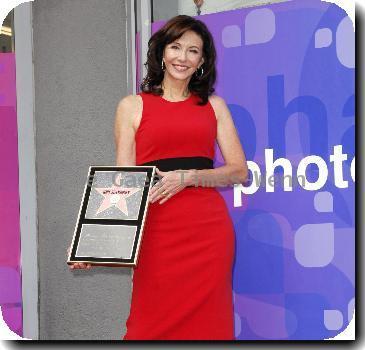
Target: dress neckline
{"x": 187, "y": 99}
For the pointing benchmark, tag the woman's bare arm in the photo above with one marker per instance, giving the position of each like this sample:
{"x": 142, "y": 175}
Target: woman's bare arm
{"x": 235, "y": 170}
{"x": 124, "y": 131}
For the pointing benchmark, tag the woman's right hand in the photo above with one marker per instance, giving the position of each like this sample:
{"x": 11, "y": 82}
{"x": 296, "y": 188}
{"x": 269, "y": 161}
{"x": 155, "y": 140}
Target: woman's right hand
{"x": 80, "y": 266}
{"x": 76, "y": 266}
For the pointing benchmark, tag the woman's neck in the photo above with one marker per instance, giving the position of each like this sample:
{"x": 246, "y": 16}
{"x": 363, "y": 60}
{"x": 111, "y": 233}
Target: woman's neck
{"x": 175, "y": 91}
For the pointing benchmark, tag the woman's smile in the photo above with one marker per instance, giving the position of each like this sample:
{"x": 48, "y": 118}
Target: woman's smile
{"x": 180, "y": 68}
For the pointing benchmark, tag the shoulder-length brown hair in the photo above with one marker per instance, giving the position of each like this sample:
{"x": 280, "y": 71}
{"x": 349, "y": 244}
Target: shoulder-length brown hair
{"x": 172, "y": 30}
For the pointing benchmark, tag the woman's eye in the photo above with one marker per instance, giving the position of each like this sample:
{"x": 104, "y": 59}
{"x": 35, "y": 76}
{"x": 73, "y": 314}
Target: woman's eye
{"x": 177, "y": 47}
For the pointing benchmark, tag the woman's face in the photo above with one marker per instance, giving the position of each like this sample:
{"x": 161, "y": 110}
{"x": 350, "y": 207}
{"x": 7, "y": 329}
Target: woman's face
{"x": 184, "y": 56}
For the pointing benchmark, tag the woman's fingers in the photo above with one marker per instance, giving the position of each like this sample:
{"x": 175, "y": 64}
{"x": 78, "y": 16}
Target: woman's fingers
{"x": 165, "y": 198}
{"x": 157, "y": 195}
{"x": 80, "y": 266}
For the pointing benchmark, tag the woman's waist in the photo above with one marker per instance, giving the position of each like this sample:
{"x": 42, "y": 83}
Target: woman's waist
{"x": 180, "y": 163}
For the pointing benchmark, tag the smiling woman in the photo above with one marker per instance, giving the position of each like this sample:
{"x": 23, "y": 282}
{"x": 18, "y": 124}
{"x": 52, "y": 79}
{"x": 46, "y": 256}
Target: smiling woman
{"x": 187, "y": 53}
{"x": 188, "y": 243}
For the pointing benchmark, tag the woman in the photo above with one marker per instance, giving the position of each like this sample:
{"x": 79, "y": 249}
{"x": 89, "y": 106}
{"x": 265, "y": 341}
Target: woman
{"x": 182, "y": 286}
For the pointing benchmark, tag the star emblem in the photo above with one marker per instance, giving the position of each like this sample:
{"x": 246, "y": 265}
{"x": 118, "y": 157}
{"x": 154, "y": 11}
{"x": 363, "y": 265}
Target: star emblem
{"x": 115, "y": 196}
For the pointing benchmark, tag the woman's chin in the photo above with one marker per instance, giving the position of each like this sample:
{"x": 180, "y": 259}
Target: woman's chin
{"x": 180, "y": 76}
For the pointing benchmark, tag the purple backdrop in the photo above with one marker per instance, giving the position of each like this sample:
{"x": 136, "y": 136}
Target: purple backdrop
{"x": 10, "y": 276}
{"x": 287, "y": 73}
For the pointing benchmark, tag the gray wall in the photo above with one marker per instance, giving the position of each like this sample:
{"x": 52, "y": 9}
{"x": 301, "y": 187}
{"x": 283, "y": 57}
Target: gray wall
{"x": 165, "y": 9}
{"x": 80, "y": 72}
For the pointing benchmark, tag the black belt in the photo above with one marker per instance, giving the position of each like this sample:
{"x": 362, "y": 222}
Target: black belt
{"x": 183, "y": 163}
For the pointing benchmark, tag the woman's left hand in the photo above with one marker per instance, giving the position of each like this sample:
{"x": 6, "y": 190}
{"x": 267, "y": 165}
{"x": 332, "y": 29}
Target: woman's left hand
{"x": 171, "y": 183}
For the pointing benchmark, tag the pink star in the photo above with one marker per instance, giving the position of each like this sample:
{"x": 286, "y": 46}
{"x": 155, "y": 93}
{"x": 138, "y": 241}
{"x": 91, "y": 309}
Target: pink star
{"x": 116, "y": 196}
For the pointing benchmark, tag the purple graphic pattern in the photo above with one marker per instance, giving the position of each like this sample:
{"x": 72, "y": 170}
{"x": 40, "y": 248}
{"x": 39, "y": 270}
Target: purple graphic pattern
{"x": 10, "y": 271}
{"x": 287, "y": 74}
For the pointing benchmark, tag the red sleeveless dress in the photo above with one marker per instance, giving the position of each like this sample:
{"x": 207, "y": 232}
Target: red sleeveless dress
{"x": 182, "y": 286}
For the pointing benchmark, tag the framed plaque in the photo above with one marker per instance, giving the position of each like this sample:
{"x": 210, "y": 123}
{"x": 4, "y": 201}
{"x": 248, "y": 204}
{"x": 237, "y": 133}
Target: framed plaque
{"x": 112, "y": 215}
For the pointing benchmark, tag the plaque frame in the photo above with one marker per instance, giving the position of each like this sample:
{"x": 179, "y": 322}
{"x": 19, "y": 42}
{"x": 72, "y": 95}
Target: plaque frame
{"x": 139, "y": 223}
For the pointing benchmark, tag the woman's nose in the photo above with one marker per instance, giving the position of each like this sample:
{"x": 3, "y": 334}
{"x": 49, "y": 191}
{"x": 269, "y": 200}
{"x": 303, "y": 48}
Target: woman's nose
{"x": 182, "y": 55}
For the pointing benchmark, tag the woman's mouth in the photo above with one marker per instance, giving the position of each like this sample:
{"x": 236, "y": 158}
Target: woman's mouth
{"x": 180, "y": 68}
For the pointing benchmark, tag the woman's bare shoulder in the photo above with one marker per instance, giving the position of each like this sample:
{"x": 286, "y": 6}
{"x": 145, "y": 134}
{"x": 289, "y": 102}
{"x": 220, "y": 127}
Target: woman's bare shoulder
{"x": 216, "y": 100}
{"x": 129, "y": 108}
{"x": 130, "y": 102}
{"x": 218, "y": 103}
